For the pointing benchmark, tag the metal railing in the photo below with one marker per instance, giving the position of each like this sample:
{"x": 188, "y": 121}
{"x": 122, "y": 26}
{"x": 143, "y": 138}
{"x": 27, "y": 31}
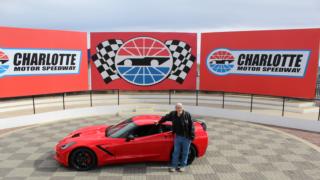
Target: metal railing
{"x": 318, "y": 90}
{"x": 284, "y": 106}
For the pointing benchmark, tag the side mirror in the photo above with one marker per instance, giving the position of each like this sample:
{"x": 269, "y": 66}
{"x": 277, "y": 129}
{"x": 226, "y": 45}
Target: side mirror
{"x": 130, "y": 137}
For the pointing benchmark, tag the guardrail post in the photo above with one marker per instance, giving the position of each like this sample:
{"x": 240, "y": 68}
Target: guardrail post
{"x": 64, "y": 107}
{"x": 33, "y": 105}
{"x": 319, "y": 113}
{"x": 169, "y": 97}
{"x": 222, "y": 100}
{"x": 283, "y": 101}
{"x": 91, "y": 98}
{"x": 197, "y": 94}
{"x": 118, "y": 97}
{"x": 251, "y": 103}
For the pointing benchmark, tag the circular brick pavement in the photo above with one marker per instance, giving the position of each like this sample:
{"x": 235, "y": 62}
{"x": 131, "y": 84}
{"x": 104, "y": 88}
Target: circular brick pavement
{"x": 237, "y": 150}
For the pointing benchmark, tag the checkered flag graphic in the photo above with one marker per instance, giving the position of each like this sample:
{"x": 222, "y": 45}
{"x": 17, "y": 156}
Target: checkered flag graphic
{"x": 182, "y": 59}
{"x": 105, "y": 57}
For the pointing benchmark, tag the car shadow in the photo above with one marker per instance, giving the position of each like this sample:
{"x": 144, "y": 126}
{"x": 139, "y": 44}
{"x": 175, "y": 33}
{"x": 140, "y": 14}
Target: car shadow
{"x": 47, "y": 164}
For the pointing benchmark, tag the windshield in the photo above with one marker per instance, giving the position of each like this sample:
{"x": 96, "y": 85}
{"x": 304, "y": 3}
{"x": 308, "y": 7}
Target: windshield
{"x": 121, "y": 129}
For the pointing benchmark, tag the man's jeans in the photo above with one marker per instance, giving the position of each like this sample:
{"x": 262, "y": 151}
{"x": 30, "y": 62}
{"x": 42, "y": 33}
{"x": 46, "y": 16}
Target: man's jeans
{"x": 181, "y": 148}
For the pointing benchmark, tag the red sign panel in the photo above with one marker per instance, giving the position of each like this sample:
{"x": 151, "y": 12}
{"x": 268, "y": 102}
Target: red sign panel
{"x": 36, "y": 62}
{"x": 274, "y": 62}
{"x": 143, "y": 61}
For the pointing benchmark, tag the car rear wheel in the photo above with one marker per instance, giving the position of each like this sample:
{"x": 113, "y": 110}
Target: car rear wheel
{"x": 192, "y": 154}
{"x": 83, "y": 159}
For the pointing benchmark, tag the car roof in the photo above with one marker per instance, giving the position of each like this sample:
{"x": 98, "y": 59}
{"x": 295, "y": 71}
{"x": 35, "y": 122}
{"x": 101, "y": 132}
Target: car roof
{"x": 146, "y": 119}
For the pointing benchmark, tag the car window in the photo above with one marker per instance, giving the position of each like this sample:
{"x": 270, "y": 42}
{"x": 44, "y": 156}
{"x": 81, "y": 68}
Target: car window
{"x": 166, "y": 128}
{"x": 114, "y": 128}
{"x": 123, "y": 130}
{"x": 146, "y": 130}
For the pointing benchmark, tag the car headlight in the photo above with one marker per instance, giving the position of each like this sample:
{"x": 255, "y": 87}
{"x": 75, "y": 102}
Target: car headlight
{"x": 65, "y": 146}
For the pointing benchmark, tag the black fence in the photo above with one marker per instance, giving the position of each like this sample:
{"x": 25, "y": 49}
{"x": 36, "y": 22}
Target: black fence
{"x": 195, "y": 98}
{"x": 318, "y": 90}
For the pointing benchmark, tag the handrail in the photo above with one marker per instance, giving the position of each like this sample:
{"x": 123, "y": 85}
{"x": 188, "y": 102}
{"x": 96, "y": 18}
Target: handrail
{"x": 250, "y": 102}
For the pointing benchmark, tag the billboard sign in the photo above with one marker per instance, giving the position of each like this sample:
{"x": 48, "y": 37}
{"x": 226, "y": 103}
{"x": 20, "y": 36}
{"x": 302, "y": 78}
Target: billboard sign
{"x": 270, "y": 62}
{"x": 34, "y": 61}
{"x": 143, "y": 61}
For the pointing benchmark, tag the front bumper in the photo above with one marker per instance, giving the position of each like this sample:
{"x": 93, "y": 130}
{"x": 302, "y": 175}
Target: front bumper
{"x": 61, "y": 156}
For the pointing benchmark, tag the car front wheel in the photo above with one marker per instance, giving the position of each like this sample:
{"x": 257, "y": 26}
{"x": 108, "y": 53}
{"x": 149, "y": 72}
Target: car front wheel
{"x": 83, "y": 159}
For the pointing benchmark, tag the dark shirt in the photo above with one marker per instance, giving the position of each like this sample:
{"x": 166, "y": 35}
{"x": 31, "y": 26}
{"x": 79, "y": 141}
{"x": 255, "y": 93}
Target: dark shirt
{"x": 182, "y": 126}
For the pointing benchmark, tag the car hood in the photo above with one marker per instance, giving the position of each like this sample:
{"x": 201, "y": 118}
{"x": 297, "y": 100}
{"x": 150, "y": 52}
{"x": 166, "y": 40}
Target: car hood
{"x": 90, "y": 132}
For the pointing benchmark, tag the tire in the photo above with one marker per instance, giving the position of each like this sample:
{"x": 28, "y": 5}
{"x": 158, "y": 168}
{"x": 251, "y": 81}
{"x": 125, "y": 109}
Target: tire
{"x": 192, "y": 154}
{"x": 83, "y": 159}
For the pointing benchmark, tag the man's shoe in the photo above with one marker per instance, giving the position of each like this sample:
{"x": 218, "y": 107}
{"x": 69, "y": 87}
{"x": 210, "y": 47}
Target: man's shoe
{"x": 182, "y": 169}
{"x": 172, "y": 169}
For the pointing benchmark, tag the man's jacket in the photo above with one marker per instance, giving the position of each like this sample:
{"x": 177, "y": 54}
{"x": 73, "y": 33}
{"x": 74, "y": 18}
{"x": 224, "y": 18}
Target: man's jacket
{"x": 182, "y": 126}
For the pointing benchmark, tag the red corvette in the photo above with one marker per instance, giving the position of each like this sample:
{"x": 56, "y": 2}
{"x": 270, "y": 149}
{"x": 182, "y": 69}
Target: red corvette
{"x": 136, "y": 139}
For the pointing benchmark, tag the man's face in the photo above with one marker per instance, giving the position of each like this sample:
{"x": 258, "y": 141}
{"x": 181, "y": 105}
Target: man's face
{"x": 179, "y": 109}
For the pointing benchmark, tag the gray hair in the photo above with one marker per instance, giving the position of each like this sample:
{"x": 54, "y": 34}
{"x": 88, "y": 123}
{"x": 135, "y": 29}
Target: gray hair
{"x": 179, "y": 105}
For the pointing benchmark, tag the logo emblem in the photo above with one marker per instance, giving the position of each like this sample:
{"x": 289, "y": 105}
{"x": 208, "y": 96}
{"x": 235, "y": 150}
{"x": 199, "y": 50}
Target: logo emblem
{"x": 220, "y": 61}
{"x": 4, "y": 63}
{"x": 143, "y": 61}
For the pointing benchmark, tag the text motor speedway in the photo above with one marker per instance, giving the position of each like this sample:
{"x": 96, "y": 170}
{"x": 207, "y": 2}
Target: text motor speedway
{"x": 252, "y": 62}
{"x": 41, "y": 61}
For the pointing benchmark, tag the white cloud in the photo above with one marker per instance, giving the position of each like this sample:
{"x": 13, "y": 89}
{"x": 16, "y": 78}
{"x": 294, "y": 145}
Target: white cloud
{"x": 160, "y": 15}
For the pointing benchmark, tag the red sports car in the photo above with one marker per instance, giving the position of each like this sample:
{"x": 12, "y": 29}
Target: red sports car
{"x": 137, "y": 139}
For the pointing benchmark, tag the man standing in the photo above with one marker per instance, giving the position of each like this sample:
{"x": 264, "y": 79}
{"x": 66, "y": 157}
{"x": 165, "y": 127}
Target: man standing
{"x": 183, "y": 129}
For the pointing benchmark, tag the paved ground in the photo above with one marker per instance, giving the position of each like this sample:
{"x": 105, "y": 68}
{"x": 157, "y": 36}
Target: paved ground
{"x": 312, "y": 137}
{"x": 237, "y": 150}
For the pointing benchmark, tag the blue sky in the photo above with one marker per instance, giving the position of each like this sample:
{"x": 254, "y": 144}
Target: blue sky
{"x": 160, "y": 15}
